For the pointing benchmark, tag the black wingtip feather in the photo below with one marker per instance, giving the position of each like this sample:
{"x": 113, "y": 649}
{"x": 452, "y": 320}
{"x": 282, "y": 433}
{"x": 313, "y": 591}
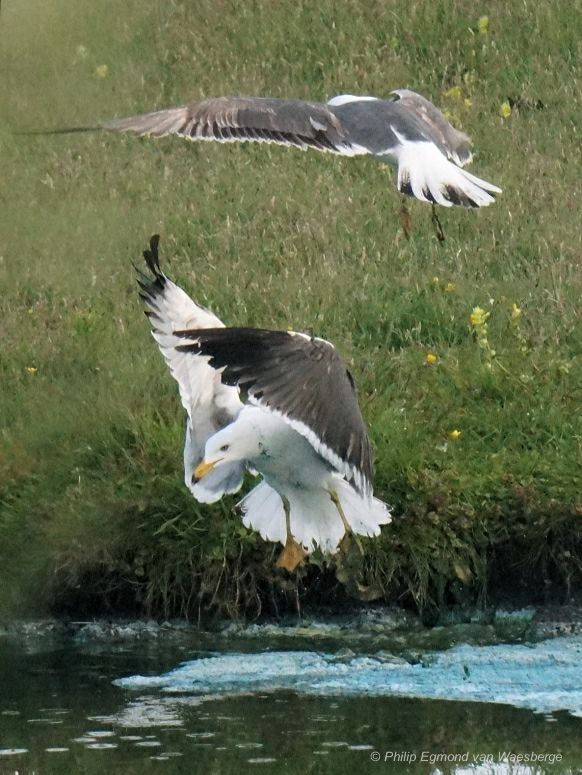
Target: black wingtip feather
{"x": 151, "y": 256}
{"x": 150, "y": 288}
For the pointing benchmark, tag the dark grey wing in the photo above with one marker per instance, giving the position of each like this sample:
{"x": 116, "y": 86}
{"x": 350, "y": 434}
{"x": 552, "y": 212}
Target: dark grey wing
{"x": 456, "y": 145}
{"x": 304, "y": 380}
{"x": 246, "y": 119}
{"x": 380, "y": 125}
{"x": 412, "y": 134}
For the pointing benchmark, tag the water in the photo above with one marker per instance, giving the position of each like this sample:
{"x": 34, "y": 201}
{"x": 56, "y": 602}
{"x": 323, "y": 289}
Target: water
{"x": 61, "y": 712}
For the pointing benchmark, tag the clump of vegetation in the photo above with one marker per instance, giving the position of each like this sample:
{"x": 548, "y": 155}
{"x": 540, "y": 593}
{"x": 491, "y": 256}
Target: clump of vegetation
{"x": 467, "y": 353}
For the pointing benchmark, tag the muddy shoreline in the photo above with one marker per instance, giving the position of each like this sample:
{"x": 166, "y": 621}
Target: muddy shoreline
{"x": 392, "y": 629}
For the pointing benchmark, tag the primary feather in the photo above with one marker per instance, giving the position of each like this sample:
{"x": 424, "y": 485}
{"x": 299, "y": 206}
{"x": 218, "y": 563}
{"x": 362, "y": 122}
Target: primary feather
{"x": 301, "y": 427}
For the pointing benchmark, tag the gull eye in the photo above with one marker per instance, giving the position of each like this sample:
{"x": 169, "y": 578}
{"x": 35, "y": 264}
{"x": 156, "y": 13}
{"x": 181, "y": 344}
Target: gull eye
{"x": 224, "y": 447}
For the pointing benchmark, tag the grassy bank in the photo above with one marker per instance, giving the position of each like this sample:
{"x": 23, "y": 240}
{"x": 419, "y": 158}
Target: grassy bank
{"x": 477, "y": 445}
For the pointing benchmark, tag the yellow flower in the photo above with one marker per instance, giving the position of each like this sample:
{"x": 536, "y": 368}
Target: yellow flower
{"x": 514, "y": 317}
{"x": 450, "y": 287}
{"x": 431, "y": 358}
{"x": 478, "y": 317}
{"x": 31, "y": 369}
{"x": 454, "y": 93}
{"x": 455, "y": 434}
{"x": 102, "y": 71}
{"x": 483, "y": 25}
{"x": 505, "y": 110}
{"x": 435, "y": 280}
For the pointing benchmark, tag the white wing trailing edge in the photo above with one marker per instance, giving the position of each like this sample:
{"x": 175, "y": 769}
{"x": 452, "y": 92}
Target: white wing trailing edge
{"x": 209, "y": 403}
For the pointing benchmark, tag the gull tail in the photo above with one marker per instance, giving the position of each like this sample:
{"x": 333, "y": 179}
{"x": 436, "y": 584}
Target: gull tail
{"x": 425, "y": 173}
{"x": 315, "y": 520}
{"x": 263, "y": 511}
{"x": 364, "y": 515}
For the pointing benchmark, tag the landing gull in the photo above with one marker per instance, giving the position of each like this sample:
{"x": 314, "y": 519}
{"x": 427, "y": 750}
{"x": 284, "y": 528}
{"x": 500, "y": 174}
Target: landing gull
{"x": 300, "y": 426}
{"x": 406, "y": 131}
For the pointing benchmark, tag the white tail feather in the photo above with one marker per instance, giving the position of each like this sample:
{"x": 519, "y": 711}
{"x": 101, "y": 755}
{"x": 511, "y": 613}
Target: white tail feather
{"x": 315, "y": 521}
{"x": 364, "y": 515}
{"x": 425, "y": 173}
{"x": 263, "y": 511}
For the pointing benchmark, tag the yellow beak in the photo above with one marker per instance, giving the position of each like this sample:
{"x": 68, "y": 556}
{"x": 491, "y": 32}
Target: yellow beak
{"x": 202, "y": 469}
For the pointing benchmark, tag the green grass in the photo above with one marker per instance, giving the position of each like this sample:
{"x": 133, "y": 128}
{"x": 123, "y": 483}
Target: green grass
{"x": 93, "y": 512}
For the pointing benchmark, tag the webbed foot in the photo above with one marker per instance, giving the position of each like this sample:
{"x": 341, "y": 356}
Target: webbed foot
{"x": 292, "y": 555}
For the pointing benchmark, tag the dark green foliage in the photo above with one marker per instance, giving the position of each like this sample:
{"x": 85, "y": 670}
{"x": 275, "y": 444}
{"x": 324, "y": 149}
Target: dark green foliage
{"x": 477, "y": 452}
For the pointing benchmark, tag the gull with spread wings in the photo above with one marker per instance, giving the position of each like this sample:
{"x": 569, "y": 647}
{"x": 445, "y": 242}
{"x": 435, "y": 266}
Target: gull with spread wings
{"x": 300, "y": 425}
{"x": 406, "y": 131}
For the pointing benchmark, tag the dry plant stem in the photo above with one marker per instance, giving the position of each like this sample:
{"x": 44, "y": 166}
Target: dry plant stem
{"x": 438, "y": 227}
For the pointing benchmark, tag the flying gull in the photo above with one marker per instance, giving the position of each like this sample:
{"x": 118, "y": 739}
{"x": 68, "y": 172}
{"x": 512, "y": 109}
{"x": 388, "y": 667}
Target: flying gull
{"x": 406, "y": 131}
{"x": 300, "y": 427}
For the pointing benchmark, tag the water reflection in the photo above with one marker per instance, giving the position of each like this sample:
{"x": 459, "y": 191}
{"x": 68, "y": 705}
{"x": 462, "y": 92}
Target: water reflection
{"x": 103, "y": 728}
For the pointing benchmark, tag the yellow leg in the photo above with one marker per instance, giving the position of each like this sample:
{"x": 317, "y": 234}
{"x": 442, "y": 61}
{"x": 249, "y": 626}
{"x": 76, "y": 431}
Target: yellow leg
{"x": 336, "y": 502}
{"x": 292, "y": 554}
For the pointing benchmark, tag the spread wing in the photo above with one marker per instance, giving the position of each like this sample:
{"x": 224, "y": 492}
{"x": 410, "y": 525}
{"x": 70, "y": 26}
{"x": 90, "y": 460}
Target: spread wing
{"x": 246, "y": 119}
{"x": 407, "y": 131}
{"x": 209, "y": 403}
{"x": 302, "y": 379}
